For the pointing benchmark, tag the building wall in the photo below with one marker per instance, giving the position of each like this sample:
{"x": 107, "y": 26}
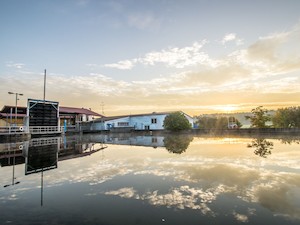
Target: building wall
{"x": 3, "y": 123}
{"x": 147, "y": 122}
{"x": 6, "y": 122}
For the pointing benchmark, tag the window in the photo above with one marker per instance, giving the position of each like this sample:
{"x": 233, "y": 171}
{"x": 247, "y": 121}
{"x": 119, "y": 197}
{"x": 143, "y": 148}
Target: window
{"x": 123, "y": 124}
{"x": 153, "y": 120}
{"x": 154, "y": 140}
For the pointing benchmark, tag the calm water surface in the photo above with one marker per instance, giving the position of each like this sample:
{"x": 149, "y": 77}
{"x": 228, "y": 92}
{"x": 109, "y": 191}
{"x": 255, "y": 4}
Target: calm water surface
{"x": 95, "y": 179}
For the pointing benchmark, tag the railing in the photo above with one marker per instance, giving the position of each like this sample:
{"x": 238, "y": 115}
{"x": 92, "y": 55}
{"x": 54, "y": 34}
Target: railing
{"x": 44, "y": 130}
{"x": 69, "y": 128}
{"x": 32, "y": 130}
{"x": 44, "y": 141}
{"x": 13, "y": 129}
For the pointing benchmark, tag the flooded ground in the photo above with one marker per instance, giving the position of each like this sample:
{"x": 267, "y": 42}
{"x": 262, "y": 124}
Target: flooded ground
{"x": 94, "y": 179}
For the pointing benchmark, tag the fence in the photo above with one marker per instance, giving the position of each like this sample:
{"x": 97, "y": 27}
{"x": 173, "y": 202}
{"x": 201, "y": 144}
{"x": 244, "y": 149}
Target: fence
{"x": 44, "y": 129}
{"x": 13, "y": 130}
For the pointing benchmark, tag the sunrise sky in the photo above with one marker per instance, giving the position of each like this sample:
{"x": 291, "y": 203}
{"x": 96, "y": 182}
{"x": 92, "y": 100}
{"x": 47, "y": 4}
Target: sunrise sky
{"x": 136, "y": 56}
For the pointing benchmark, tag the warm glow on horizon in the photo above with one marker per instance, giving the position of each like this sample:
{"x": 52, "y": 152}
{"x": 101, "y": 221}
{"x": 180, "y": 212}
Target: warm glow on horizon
{"x": 227, "y": 108}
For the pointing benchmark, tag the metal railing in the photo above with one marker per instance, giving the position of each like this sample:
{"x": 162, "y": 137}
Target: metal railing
{"x": 13, "y": 129}
{"x": 44, "y": 130}
{"x": 44, "y": 141}
{"x": 69, "y": 128}
{"x": 36, "y": 129}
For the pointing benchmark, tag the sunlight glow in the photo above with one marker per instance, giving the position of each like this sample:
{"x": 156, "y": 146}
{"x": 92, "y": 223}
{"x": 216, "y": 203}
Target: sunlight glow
{"x": 226, "y": 108}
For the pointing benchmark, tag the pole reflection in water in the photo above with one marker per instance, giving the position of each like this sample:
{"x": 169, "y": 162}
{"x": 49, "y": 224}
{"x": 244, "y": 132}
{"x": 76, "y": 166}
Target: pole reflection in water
{"x": 13, "y": 182}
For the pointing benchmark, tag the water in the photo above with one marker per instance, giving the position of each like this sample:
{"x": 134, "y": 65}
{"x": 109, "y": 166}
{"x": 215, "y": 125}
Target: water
{"x": 95, "y": 179}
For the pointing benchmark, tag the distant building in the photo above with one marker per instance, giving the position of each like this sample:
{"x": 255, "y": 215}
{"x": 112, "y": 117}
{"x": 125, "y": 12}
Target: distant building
{"x": 74, "y": 115}
{"x": 149, "y": 121}
{"x": 8, "y": 115}
{"x": 67, "y": 115}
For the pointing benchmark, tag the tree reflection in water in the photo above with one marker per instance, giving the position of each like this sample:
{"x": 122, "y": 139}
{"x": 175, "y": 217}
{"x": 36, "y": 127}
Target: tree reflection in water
{"x": 177, "y": 143}
{"x": 262, "y": 147}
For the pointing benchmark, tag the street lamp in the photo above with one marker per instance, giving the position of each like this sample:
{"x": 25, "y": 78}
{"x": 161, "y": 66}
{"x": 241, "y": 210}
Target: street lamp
{"x": 16, "y": 110}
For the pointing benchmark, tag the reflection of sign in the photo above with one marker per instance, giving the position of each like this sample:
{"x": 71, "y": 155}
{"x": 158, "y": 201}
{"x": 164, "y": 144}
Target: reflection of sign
{"x": 41, "y": 158}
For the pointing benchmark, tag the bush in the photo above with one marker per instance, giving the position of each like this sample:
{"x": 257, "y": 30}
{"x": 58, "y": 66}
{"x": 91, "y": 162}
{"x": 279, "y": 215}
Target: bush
{"x": 176, "y": 122}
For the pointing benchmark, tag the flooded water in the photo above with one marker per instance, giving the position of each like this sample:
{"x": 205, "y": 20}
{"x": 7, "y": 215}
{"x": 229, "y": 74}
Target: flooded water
{"x": 94, "y": 179}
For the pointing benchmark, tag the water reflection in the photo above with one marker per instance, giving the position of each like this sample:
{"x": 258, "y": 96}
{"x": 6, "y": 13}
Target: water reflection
{"x": 214, "y": 180}
{"x": 41, "y": 155}
{"x": 177, "y": 143}
{"x": 262, "y": 147}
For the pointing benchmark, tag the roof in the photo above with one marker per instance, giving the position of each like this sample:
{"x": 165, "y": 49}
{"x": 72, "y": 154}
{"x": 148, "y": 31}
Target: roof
{"x": 138, "y": 115}
{"x": 6, "y": 109}
{"x": 74, "y": 110}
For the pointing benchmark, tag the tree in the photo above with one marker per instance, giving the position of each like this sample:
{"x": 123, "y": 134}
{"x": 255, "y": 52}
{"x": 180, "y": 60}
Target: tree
{"x": 222, "y": 122}
{"x": 206, "y": 122}
{"x": 287, "y": 118}
{"x": 259, "y": 117}
{"x": 176, "y": 121}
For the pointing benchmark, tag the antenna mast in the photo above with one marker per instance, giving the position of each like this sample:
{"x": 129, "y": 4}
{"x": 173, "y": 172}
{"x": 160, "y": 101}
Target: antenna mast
{"x": 44, "y": 84}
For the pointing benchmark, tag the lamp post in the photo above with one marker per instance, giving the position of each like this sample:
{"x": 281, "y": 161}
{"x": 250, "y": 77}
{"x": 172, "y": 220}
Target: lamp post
{"x": 16, "y": 110}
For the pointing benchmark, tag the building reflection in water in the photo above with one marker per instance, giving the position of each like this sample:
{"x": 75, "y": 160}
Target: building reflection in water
{"x": 42, "y": 154}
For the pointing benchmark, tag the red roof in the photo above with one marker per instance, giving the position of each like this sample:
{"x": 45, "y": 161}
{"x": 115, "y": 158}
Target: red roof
{"x": 73, "y": 110}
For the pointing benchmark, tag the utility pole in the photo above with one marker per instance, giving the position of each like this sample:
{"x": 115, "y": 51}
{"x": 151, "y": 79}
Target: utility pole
{"x": 16, "y": 109}
{"x": 44, "y": 85}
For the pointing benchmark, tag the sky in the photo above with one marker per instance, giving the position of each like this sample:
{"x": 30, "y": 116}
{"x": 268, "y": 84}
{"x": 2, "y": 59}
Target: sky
{"x": 140, "y": 56}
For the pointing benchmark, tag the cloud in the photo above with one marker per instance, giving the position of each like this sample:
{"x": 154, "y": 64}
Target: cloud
{"x": 172, "y": 57}
{"x": 122, "y": 65}
{"x": 230, "y": 38}
{"x": 264, "y": 73}
{"x": 15, "y": 65}
{"x": 240, "y": 217}
{"x": 123, "y": 192}
{"x": 177, "y": 57}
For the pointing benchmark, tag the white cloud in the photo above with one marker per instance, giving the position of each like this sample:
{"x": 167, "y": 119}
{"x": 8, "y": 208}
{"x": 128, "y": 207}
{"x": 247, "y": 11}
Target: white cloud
{"x": 172, "y": 57}
{"x": 231, "y": 37}
{"x": 177, "y": 57}
{"x": 15, "y": 65}
{"x": 122, "y": 65}
{"x": 228, "y": 37}
{"x": 123, "y": 192}
{"x": 240, "y": 217}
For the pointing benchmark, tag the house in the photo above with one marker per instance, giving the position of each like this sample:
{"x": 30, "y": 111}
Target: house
{"x": 149, "y": 121}
{"x": 67, "y": 115}
{"x": 72, "y": 115}
{"x": 8, "y": 115}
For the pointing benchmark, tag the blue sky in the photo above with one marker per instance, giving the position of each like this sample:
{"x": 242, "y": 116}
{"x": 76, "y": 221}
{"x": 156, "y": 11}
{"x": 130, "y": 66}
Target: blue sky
{"x": 142, "y": 56}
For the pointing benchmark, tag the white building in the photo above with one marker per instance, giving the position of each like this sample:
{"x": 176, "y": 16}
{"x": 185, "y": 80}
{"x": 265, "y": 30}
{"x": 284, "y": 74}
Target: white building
{"x": 150, "y": 121}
